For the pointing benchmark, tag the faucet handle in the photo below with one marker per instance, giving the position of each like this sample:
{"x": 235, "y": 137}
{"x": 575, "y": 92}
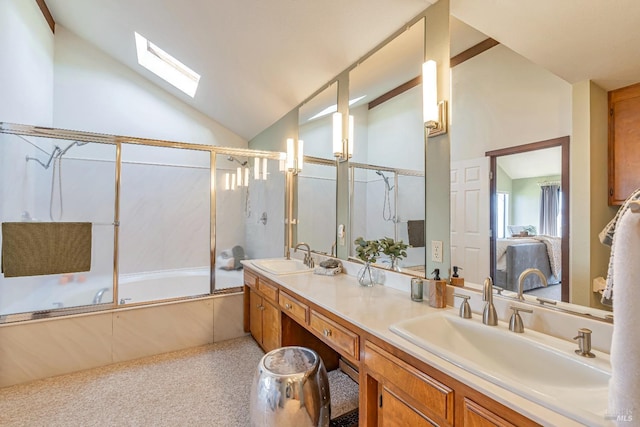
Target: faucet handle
{"x": 515, "y": 323}
{"x": 465, "y": 308}
{"x": 498, "y": 289}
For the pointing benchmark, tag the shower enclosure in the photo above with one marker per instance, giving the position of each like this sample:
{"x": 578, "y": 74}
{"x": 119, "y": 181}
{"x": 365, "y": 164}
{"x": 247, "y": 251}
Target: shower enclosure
{"x": 389, "y": 202}
{"x": 164, "y": 224}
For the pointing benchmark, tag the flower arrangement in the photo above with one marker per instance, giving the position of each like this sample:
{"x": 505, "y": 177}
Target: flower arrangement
{"x": 395, "y": 250}
{"x": 367, "y": 250}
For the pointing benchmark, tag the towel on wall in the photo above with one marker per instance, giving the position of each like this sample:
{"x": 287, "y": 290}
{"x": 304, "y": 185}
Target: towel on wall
{"x": 39, "y": 248}
{"x": 624, "y": 386}
{"x": 415, "y": 229}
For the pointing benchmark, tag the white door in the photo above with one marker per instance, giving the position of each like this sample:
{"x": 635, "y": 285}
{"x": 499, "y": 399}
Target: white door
{"x": 470, "y": 218}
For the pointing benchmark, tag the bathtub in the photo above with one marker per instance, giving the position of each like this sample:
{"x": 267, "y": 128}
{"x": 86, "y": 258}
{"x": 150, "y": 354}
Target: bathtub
{"x": 74, "y": 290}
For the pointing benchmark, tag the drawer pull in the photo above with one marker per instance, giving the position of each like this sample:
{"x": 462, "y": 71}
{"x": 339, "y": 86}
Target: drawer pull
{"x": 327, "y": 332}
{"x": 260, "y": 307}
{"x": 287, "y": 306}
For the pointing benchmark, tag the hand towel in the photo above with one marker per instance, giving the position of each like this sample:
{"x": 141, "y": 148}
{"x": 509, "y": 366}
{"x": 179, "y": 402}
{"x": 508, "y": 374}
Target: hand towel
{"x": 39, "y": 248}
{"x": 327, "y": 271}
{"x": 624, "y": 386}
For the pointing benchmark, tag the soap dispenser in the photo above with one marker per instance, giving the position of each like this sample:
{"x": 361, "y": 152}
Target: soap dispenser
{"x": 455, "y": 279}
{"x": 437, "y": 290}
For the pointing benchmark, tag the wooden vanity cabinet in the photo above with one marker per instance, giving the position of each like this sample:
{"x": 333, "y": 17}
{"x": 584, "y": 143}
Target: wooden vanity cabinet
{"x": 264, "y": 315}
{"x": 405, "y": 395}
{"x": 396, "y": 389}
{"x": 394, "y": 392}
{"x": 624, "y": 143}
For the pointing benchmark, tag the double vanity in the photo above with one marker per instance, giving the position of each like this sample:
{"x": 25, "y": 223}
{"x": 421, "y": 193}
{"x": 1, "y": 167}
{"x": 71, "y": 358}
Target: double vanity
{"x": 418, "y": 365}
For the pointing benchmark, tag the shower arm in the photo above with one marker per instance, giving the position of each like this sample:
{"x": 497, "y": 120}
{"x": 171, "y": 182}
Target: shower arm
{"x": 56, "y": 150}
{"x": 55, "y": 154}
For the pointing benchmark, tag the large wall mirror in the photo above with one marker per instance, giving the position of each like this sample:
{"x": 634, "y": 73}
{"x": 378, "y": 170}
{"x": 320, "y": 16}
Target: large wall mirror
{"x": 387, "y": 195}
{"x": 316, "y": 183}
{"x": 503, "y": 104}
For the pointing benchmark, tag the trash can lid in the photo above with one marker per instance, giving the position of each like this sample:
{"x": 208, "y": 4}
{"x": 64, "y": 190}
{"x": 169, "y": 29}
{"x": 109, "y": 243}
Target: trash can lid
{"x": 290, "y": 360}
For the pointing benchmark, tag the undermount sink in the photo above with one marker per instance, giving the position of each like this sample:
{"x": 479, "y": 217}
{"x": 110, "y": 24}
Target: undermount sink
{"x": 539, "y": 367}
{"x": 281, "y": 266}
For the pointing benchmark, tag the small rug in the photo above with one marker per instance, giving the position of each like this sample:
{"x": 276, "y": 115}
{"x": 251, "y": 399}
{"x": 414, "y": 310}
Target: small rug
{"x": 350, "y": 419}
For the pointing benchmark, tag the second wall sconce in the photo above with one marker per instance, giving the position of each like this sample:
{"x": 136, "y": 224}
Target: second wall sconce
{"x": 342, "y": 148}
{"x": 295, "y": 156}
{"x": 434, "y": 112}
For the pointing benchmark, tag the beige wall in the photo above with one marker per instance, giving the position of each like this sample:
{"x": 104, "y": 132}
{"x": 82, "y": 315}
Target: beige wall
{"x": 588, "y": 180}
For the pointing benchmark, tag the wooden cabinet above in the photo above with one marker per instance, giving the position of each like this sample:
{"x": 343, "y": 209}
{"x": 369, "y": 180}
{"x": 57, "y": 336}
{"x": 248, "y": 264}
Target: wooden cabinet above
{"x": 624, "y": 143}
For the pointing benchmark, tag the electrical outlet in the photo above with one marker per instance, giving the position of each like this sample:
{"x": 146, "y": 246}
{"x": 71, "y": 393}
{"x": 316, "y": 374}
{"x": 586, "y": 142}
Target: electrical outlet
{"x": 436, "y": 250}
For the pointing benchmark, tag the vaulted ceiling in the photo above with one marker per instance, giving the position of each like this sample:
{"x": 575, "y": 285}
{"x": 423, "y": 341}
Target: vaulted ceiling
{"x": 260, "y": 59}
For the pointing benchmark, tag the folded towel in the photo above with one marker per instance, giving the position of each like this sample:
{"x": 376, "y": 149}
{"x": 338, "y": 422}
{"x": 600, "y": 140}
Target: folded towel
{"x": 225, "y": 263}
{"x": 624, "y": 386}
{"x": 39, "y": 248}
{"x": 327, "y": 271}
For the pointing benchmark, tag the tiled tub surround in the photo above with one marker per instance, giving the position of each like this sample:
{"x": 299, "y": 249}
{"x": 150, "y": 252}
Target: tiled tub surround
{"x": 375, "y": 309}
{"x": 43, "y": 348}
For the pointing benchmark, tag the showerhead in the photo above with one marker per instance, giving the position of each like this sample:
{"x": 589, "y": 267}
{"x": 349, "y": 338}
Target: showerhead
{"x": 386, "y": 180}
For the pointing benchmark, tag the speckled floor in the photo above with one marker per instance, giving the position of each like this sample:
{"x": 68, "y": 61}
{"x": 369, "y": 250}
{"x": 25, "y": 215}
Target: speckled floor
{"x": 203, "y": 386}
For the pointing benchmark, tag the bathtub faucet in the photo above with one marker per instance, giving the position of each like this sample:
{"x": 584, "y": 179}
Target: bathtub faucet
{"x": 98, "y": 298}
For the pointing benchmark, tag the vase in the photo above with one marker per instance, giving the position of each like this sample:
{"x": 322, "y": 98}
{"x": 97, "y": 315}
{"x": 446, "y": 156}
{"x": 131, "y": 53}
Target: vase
{"x": 394, "y": 265}
{"x": 366, "y": 276}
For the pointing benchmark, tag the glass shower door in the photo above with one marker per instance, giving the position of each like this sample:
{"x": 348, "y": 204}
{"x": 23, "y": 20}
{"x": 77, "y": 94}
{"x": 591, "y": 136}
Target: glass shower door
{"x": 165, "y": 224}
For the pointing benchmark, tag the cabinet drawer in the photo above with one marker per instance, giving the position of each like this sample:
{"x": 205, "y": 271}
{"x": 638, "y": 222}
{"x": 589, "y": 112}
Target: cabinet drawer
{"x": 268, "y": 289}
{"x": 250, "y": 279}
{"x": 337, "y": 336}
{"x": 427, "y": 395}
{"x": 293, "y": 307}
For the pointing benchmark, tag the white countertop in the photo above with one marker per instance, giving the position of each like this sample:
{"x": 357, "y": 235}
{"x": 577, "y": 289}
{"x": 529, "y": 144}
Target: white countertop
{"x": 374, "y": 309}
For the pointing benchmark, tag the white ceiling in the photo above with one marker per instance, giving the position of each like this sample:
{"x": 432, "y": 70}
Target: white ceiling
{"x": 260, "y": 59}
{"x": 539, "y": 163}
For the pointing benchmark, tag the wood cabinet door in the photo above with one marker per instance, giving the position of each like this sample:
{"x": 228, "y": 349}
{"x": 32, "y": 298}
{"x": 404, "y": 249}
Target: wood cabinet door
{"x": 624, "y": 143}
{"x": 270, "y": 326}
{"x": 396, "y": 413}
{"x": 255, "y": 315}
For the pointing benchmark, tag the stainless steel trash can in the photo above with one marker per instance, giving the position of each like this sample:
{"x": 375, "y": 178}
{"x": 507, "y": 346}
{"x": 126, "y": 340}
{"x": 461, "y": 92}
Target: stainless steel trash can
{"x": 290, "y": 389}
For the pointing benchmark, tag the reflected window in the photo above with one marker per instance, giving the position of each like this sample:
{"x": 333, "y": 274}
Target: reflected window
{"x": 503, "y": 214}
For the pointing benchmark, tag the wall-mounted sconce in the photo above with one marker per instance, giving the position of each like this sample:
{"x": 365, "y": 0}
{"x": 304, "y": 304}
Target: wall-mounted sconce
{"x": 295, "y": 156}
{"x": 434, "y": 112}
{"x": 342, "y": 148}
{"x": 230, "y": 181}
{"x": 257, "y": 174}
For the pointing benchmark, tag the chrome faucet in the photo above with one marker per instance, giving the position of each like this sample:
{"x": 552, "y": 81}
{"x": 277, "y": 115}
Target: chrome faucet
{"x": 584, "y": 343}
{"x": 515, "y": 323}
{"x": 489, "y": 315}
{"x": 524, "y": 274}
{"x": 308, "y": 261}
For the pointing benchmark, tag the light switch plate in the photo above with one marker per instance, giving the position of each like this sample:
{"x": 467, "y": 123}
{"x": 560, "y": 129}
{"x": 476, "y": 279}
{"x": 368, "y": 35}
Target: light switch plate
{"x": 436, "y": 250}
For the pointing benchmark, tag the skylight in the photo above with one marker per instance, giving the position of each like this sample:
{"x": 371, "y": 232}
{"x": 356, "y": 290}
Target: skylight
{"x": 333, "y": 108}
{"x": 166, "y": 66}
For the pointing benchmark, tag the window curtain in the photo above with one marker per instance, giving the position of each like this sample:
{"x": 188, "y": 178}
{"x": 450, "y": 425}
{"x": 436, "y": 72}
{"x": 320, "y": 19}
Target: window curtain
{"x": 549, "y": 209}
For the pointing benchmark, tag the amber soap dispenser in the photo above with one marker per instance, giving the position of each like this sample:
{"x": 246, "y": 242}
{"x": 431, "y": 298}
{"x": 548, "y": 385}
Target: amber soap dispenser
{"x": 437, "y": 290}
{"x": 456, "y": 280}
